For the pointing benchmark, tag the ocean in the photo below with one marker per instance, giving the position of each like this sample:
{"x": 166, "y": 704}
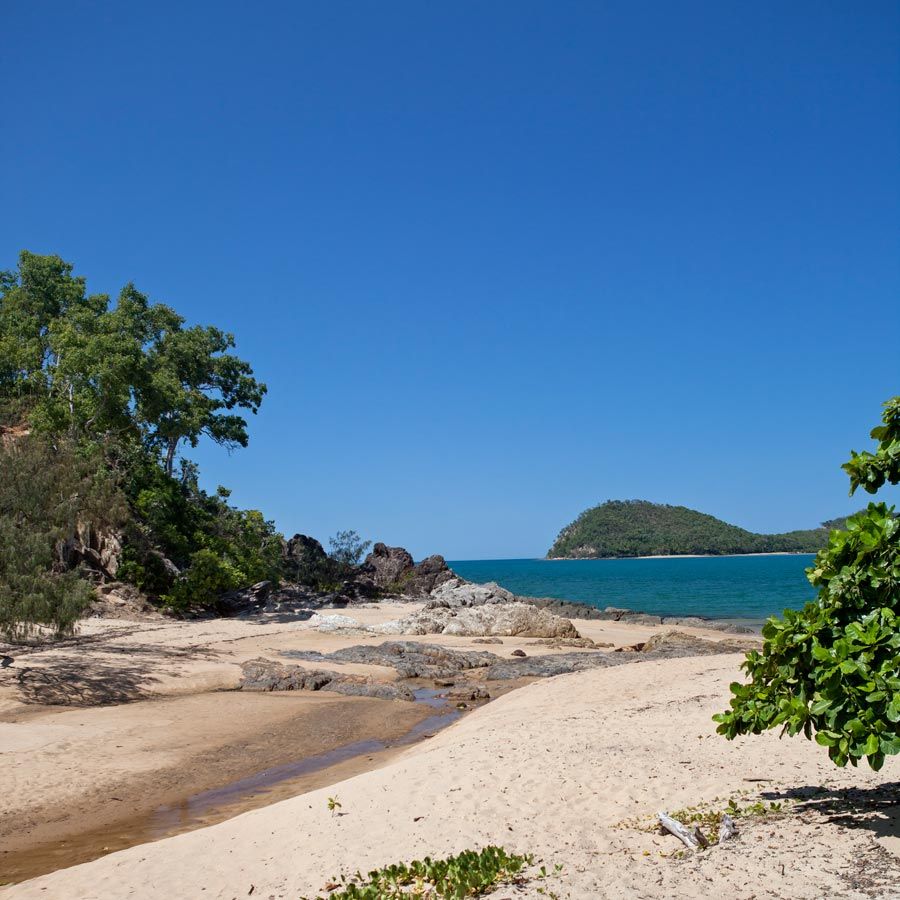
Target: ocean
{"x": 748, "y": 588}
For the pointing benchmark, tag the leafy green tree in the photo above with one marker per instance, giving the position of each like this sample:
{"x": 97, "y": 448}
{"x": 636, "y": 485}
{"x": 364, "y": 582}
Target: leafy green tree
{"x": 348, "y": 548}
{"x": 75, "y": 365}
{"x": 193, "y": 388}
{"x": 832, "y": 670}
{"x": 117, "y": 389}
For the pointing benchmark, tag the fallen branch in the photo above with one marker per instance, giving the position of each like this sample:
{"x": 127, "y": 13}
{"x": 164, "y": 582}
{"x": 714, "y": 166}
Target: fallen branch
{"x": 727, "y": 829}
{"x": 673, "y": 826}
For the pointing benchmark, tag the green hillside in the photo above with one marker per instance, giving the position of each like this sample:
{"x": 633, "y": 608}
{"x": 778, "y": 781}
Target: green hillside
{"x": 641, "y": 528}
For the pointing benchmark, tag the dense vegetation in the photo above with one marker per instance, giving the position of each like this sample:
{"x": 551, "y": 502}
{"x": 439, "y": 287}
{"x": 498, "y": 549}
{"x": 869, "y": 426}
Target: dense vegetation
{"x": 832, "y": 670}
{"x": 640, "y": 528}
{"x": 96, "y": 401}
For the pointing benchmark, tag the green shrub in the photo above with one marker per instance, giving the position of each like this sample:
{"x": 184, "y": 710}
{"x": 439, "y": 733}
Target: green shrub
{"x": 832, "y": 670}
{"x": 471, "y": 873}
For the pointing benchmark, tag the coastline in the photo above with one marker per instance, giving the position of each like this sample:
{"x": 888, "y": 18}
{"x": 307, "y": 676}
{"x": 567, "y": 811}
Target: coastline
{"x": 673, "y": 556}
{"x": 89, "y": 773}
{"x": 583, "y": 796}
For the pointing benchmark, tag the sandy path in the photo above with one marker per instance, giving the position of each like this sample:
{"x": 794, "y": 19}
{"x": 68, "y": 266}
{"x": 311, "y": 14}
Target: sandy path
{"x": 551, "y": 769}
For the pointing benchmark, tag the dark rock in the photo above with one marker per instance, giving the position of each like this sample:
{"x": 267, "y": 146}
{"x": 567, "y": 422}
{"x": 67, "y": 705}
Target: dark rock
{"x": 393, "y": 570}
{"x": 305, "y": 561}
{"x": 267, "y": 675}
{"x": 521, "y": 653}
{"x": 468, "y": 692}
{"x": 432, "y": 572}
{"x": 409, "y": 658}
{"x": 389, "y": 567}
{"x": 487, "y": 640}
{"x": 251, "y": 599}
{"x": 549, "y": 665}
{"x": 98, "y": 550}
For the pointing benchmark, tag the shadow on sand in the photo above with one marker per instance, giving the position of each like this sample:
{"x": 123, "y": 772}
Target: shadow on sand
{"x": 874, "y": 809}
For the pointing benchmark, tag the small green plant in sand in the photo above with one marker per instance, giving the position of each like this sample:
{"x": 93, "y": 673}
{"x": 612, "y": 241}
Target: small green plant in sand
{"x": 471, "y": 873}
{"x": 334, "y": 805}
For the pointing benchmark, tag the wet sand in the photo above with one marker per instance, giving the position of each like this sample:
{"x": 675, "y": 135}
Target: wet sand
{"x": 174, "y": 761}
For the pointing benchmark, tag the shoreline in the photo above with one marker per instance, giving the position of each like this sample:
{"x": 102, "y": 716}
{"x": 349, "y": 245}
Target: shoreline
{"x": 674, "y": 556}
{"x": 583, "y": 795}
{"x": 181, "y": 749}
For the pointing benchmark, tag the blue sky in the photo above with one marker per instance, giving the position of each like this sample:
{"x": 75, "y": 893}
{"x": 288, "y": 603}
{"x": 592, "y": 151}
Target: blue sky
{"x": 496, "y": 261}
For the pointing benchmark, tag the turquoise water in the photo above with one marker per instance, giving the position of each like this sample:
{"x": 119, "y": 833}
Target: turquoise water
{"x": 722, "y": 587}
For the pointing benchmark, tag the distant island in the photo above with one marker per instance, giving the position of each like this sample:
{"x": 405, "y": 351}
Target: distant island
{"x": 620, "y": 528}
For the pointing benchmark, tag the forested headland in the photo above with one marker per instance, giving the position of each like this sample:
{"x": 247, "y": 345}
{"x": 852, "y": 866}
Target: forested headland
{"x": 640, "y": 528}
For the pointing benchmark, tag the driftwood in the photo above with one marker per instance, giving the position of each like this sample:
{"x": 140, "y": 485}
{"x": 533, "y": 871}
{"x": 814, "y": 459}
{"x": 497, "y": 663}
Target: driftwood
{"x": 673, "y": 826}
{"x": 700, "y": 837}
{"x": 727, "y": 829}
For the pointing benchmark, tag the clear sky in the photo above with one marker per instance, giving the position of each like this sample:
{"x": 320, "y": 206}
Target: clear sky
{"x": 496, "y": 261}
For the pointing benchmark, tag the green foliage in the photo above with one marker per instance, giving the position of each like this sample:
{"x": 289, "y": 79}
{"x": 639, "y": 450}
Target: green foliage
{"x": 640, "y": 528}
{"x": 218, "y": 548}
{"x": 112, "y": 390}
{"x": 471, "y": 873}
{"x": 870, "y": 471}
{"x": 76, "y": 365}
{"x": 709, "y": 818}
{"x": 348, "y": 548}
{"x": 832, "y": 670}
{"x": 46, "y": 492}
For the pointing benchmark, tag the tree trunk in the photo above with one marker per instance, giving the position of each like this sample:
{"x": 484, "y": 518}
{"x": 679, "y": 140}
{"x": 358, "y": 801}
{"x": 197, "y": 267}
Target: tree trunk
{"x": 170, "y": 455}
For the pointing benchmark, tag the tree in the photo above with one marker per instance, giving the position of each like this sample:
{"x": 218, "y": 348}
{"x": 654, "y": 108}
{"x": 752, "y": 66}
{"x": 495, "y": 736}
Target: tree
{"x": 192, "y": 387}
{"x": 832, "y": 670}
{"x": 348, "y": 548}
{"x": 72, "y": 364}
{"x": 46, "y": 492}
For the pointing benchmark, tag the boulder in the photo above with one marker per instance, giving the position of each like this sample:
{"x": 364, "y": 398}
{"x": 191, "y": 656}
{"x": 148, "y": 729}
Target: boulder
{"x": 487, "y": 620}
{"x": 305, "y": 559}
{"x": 267, "y": 675}
{"x": 245, "y": 600}
{"x": 679, "y": 643}
{"x": 389, "y": 567}
{"x": 99, "y": 550}
{"x": 455, "y": 593}
{"x": 392, "y": 570}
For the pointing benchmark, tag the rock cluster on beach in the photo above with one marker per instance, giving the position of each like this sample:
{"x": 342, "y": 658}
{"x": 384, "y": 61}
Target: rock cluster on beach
{"x": 267, "y": 675}
{"x": 453, "y": 606}
{"x": 411, "y": 659}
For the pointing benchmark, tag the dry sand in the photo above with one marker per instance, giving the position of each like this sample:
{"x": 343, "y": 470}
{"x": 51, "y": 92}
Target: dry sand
{"x": 561, "y": 768}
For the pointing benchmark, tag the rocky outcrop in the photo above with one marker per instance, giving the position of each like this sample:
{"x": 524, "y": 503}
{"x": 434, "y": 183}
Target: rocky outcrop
{"x": 267, "y": 675}
{"x": 409, "y": 658}
{"x": 305, "y": 561}
{"x": 388, "y": 567}
{"x": 488, "y": 620}
{"x": 393, "y": 571}
{"x": 98, "y": 550}
{"x": 550, "y": 665}
{"x": 669, "y": 644}
{"x": 455, "y": 593}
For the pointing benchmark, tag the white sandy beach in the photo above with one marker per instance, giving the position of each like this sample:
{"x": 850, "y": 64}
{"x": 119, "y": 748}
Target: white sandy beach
{"x": 563, "y": 768}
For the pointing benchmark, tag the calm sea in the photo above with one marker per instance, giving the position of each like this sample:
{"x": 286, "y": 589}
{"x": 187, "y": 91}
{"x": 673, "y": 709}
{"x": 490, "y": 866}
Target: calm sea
{"x": 723, "y": 587}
